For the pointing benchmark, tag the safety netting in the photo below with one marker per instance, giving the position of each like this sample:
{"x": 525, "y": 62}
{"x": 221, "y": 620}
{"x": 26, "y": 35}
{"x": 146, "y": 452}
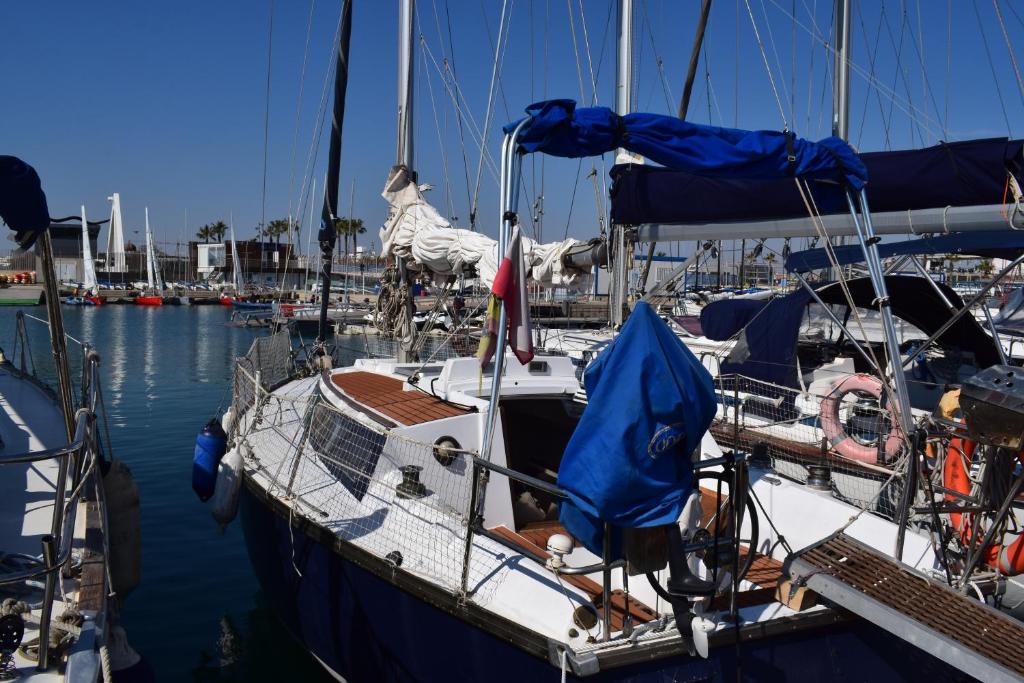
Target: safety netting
{"x": 401, "y": 499}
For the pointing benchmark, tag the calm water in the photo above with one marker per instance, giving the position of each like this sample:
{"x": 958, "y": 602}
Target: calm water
{"x": 198, "y": 614}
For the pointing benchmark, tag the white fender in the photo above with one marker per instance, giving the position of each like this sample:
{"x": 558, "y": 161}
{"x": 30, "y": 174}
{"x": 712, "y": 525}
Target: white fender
{"x": 228, "y": 487}
{"x": 228, "y": 420}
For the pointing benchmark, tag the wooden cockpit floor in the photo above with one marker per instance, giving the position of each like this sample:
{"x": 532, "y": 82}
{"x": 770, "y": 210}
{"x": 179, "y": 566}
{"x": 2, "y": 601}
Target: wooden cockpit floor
{"x": 386, "y": 396}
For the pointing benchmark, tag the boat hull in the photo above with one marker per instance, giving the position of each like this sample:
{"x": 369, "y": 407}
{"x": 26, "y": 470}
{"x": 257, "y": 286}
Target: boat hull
{"x": 379, "y": 625}
{"x": 149, "y": 301}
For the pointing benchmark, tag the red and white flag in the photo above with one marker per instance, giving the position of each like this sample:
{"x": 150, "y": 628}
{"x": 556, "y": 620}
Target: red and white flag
{"x": 510, "y": 288}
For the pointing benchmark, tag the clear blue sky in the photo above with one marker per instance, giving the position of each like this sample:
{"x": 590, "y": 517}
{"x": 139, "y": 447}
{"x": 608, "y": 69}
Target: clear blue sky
{"x": 164, "y": 102}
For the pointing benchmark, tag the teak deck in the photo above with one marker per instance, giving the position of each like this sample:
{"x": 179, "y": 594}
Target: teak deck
{"x": 386, "y": 396}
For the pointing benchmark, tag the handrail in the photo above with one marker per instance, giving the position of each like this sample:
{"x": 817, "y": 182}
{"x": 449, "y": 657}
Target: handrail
{"x": 77, "y": 461}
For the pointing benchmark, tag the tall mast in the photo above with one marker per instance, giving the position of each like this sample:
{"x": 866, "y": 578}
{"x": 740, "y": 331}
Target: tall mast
{"x": 327, "y": 236}
{"x": 841, "y": 80}
{"x": 624, "y": 60}
{"x": 149, "y": 254}
{"x": 623, "y": 106}
{"x": 404, "y": 150}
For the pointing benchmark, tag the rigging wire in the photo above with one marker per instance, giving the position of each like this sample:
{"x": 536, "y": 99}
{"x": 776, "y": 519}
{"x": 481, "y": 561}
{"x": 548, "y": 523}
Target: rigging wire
{"x": 907, "y": 107}
{"x": 266, "y": 117}
{"x": 928, "y": 92}
{"x": 498, "y": 52}
{"x": 767, "y": 67}
{"x": 898, "y": 49}
{"x": 458, "y": 99}
{"x": 450, "y": 69}
{"x": 871, "y": 65}
{"x": 440, "y": 139}
{"x": 318, "y": 128}
{"x": 949, "y": 58}
{"x": 1009, "y": 49}
{"x": 298, "y": 116}
{"x": 775, "y": 53}
{"x": 992, "y": 67}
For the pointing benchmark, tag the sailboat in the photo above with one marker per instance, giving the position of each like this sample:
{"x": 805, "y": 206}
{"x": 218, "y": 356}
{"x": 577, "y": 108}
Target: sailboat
{"x": 153, "y": 296}
{"x": 236, "y": 275}
{"x": 90, "y": 294}
{"x": 70, "y": 513}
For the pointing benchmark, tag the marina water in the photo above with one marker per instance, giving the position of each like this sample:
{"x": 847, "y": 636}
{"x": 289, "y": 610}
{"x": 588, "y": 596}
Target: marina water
{"x": 198, "y": 614}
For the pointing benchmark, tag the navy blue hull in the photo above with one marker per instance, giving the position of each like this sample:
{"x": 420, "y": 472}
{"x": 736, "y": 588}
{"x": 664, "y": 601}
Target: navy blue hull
{"x": 367, "y": 629}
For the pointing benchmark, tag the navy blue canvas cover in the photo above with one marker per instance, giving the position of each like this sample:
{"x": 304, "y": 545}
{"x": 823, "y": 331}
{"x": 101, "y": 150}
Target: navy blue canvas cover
{"x": 22, "y": 201}
{"x": 650, "y": 401}
{"x": 966, "y": 173}
{"x": 1006, "y": 244}
{"x": 559, "y": 128}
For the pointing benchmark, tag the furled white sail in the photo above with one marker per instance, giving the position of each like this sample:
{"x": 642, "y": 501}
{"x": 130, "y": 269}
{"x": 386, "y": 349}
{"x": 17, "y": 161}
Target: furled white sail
{"x": 416, "y": 232}
{"x": 88, "y": 266}
{"x": 115, "y": 237}
{"x": 153, "y": 278}
{"x": 236, "y": 265}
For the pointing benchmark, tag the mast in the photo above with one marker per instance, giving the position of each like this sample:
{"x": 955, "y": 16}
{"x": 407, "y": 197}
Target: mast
{"x": 404, "y": 151}
{"x": 236, "y": 266}
{"x": 404, "y": 147}
{"x": 841, "y": 80}
{"x": 150, "y": 280}
{"x": 623, "y": 106}
{"x": 327, "y": 236}
{"x": 88, "y": 266}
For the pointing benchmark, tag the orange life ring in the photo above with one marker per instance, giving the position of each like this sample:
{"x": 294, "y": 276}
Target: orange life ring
{"x": 832, "y": 425}
{"x": 1007, "y": 559}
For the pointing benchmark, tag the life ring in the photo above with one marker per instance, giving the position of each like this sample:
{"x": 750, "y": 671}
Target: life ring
{"x": 1008, "y": 559}
{"x": 832, "y": 425}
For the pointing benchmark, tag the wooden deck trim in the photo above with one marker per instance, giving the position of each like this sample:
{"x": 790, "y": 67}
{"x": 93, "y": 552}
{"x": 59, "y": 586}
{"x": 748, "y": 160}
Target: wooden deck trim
{"x": 387, "y": 396}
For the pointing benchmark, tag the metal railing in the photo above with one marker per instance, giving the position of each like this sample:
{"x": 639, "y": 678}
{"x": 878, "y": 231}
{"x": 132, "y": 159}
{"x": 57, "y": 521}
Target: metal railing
{"x": 76, "y": 462}
{"x": 481, "y": 471}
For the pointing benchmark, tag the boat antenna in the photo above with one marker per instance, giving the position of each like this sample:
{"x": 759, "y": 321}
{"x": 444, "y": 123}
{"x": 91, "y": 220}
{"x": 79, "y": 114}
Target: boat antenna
{"x": 328, "y": 236}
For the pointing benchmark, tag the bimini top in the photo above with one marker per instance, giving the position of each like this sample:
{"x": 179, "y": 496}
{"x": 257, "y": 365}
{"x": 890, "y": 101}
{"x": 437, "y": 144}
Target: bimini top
{"x": 558, "y": 128}
{"x": 968, "y": 173}
{"x": 768, "y": 330}
{"x": 22, "y": 201}
{"x": 1006, "y": 244}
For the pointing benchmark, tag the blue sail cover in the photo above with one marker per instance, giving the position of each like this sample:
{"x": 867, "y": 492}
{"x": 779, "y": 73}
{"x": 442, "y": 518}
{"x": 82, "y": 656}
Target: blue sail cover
{"x": 558, "y": 128}
{"x": 628, "y": 462}
{"x": 22, "y": 201}
{"x": 1006, "y": 244}
{"x": 967, "y": 173}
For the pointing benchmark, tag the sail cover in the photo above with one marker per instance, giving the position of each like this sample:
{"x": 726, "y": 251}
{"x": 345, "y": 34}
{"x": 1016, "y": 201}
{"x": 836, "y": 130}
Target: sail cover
{"x": 22, "y": 201}
{"x": 417, "y": 232}
{"x": 632, "y": 468}
{"x": 558, "y": 128}
{"x": 967, "y": 173}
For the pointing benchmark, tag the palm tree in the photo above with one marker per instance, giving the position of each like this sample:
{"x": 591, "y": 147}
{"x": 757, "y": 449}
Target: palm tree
{"x": 349, "y": 226}
{"x": 204, "y": 234}
{"x": 218, "y": 230}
